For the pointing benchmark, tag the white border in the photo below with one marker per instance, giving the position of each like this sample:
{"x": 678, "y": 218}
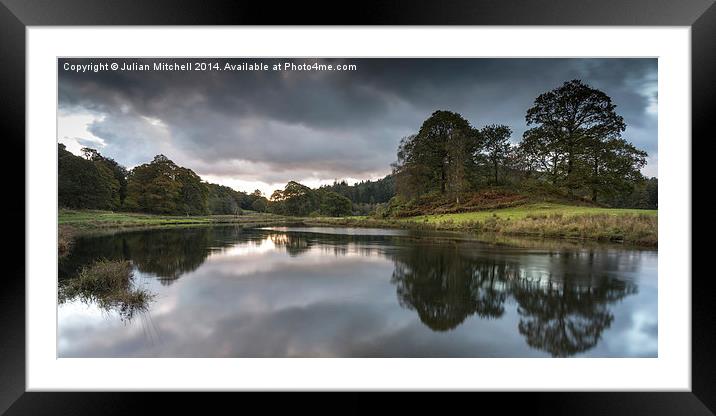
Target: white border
{"x": 670, "y": 371}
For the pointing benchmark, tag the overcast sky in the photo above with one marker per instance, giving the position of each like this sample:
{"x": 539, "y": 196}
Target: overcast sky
{"x": 260, "y": 129}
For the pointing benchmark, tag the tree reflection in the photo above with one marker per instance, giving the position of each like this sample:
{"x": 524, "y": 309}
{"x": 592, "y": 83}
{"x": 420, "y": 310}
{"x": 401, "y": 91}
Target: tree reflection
{"x": 297, "y": 243}
{"x": 568, "y": 318}
{"x": 445, "y": 287}
{"x": 166, "y": 253}
{"x": 564, "y": 307}
{"x": 294, "y": 243}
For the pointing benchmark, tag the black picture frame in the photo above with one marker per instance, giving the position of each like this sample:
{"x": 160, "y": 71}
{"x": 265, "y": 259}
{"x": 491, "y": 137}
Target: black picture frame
{"x": 16, "y": 15}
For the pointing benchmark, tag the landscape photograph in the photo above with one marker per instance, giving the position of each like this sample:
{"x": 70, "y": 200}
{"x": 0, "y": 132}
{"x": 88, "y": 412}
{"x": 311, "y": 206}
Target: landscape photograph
{"x": 357, "y": 207}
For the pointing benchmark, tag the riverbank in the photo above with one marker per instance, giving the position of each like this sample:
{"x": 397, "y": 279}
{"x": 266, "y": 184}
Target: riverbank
{"x": 544, "y": 220}
{"x": 93, "y": 219}
{"x": 72, "y": 223}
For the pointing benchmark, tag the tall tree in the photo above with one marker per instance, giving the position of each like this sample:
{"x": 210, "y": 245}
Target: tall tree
{"x": 221, "y": 200}
{"x": 566, "y": 121}
{"x": 496, "y": 146}
{"x": 439, "y": 157}
{"x": 118, "y": 171}
{"x": 333, "y": 204}
{"x": 260, "y": 205}
{"x": 295, "y": 199}
{"x": 84, "y": 183}
{"x": 612, "y": 167}
{"x": 162, "y": 187}
{"x": 193, "y": 194}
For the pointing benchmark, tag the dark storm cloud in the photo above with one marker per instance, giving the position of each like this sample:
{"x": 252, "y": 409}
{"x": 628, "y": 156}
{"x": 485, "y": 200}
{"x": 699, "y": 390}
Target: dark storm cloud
{"x": 274, "y": 126}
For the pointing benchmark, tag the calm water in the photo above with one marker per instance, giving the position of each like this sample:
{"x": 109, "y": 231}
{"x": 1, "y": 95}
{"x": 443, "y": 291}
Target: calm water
{"x": 325, "y": 292}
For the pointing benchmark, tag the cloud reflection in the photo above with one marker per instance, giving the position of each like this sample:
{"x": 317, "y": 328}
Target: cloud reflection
{"x": 256, "y": 293}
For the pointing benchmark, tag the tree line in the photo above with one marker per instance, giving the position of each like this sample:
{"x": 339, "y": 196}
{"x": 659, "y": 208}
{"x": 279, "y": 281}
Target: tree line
{"x": 365, "y": 195}
{"x": 300, "y": 200}
{"x": 93, "y": 181}
{"x": 573, "y": 145}
{"x": 365, "y": 192}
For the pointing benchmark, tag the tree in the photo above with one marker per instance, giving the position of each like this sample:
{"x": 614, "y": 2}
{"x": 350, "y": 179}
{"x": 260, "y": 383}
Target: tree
{"x": 334, "y": 205}
{"x": 410, "y": 176}
{"x": 152, "y": 187}
{"x": 260, "y": 205}
{"x": 496, "y": 146}
{"x": 85, "y": 184}
{"x": 162, "y": 187}
{"x": 299, "y": 199}
{"x": 295, "y": 199}
{"x": 247, "y": 200}
{"x": 193, "y": 194}
{"x": 438, "y": 158}
{"x": 567, "y": 121}
{"x": 541, "y": 153}
{"x": 643, "y": 196}
{"x": 223, "y": 200}
{"x": 118, "y": 171}
{"x": 612, "y": 167}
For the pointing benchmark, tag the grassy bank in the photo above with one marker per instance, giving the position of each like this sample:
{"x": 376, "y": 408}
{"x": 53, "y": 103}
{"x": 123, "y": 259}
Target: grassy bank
{"x": 544, "y": 220}
{"x": 91, "y": 219}
{"x": 73, "y": 223}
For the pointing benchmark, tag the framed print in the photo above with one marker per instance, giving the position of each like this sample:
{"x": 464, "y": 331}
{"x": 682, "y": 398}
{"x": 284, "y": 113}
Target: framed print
{"x": 461, "y": 198}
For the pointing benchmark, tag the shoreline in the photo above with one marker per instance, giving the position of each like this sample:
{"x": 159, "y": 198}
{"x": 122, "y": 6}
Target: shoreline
{"x": 636, "y": 230}
{"x": 481, "y": 229}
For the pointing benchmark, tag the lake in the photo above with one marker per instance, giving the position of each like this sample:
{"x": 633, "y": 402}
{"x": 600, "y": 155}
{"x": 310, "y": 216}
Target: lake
{"x": 225, "y": 291}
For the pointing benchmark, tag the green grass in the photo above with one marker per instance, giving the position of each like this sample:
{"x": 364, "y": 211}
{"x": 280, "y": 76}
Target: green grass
{"x": 93, "y": 219}
{"x": 523, "y": 211}
{"x": 543, "y": 220}
{"x": 88, "y": 217}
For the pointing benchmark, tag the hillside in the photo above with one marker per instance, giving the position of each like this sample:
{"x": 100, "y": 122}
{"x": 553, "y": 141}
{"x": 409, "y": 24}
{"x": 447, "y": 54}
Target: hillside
{"x": 484, "y": 200}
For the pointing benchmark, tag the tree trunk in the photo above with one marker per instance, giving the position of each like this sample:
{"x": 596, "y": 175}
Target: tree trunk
{"x": 568, "y": 179}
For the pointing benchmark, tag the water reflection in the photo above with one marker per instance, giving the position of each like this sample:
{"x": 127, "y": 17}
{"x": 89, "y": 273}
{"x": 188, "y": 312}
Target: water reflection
{"x": 563, "y": 310}
{"x": 166, "y": 254}
{"x": 444, "y": 286}
{"x": 565, "y": 319}
{"x": 559, "y": 301}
